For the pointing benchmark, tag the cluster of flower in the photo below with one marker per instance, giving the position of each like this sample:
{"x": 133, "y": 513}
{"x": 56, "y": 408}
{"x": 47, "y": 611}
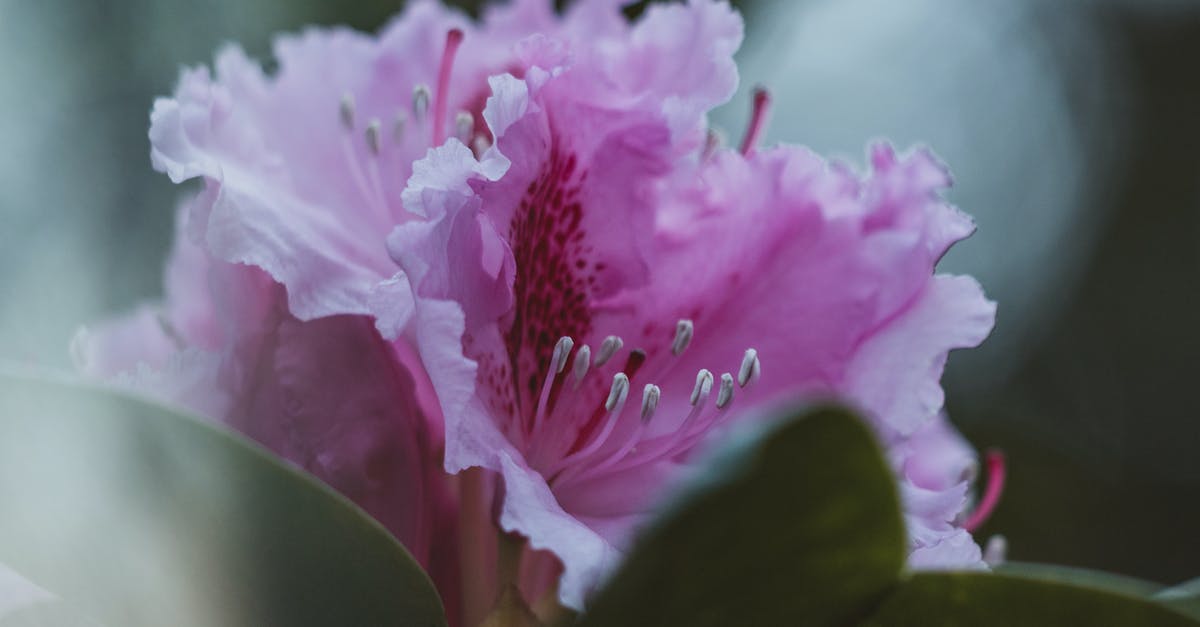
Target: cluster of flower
{"x": 462, "y": 245}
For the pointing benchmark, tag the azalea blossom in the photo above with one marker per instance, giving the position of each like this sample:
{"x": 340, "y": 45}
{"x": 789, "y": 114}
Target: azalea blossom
{"x": 598, "y": 292}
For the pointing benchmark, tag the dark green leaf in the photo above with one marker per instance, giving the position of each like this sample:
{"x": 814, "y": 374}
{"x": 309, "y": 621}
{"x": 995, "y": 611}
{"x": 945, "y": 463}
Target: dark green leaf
{"x": 139, "y": 515}
{"x": 799, "y": 527}
{"x": 1184, "y": 597}
{"x": 981, "y": 599}
{"x": 1081, "y": 577}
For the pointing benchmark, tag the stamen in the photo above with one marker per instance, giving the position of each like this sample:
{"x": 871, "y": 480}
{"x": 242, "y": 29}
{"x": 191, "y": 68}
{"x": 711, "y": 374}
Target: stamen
{"x": 758, "y": 119}
{"x": 684, "y": 329}
{"x": 480, "y": 145}
{"x": 608, "y": 348}
{"x": 346, "y": 111}
{"x": 704, "y": 383}
{"x": 420, "y": 104}
{"x": 991, "y": 494}
{"x": 558, "y": 361}
{"x": 398, "y": 126}
{"x": 453, "y": 40}
{"x": 618, "y": 393}
{"x": 750, "y": 368}
{"x": 583, "y": 357}
{"x": 650, "y": 396}
{"x": 464, "y": 125}
{"x": 561, "y": 350}
{"x": 725, "y": 394}
{"x": 373, "y": 130}
{"x": 996, "y": 551}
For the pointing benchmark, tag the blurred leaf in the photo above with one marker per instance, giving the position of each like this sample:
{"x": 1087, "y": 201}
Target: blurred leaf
{"x": 1184, "y": 597}
{"x": 140, "y": 515}
{"x": 1081, "y": 577}
{"x": 801, "y": 526}
{"x": 982, "y": 599}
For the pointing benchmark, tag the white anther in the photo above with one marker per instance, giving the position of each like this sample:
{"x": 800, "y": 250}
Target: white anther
{"x": 684, "y": 329}
{"x": 996, "y": 551}
{"x": 618, "y": 393}
{"x": 421, "y": 98}
{"x": 398, "y": 125}
{"x": 583, "y": 359}
{"x": 561, "y": 350}
{"x": 480, "y": 145}
{"x": 704, "y": 383}
{"x": 714, "y": 140}
{"x": 725, "y": 394}
{"x": 373, "y": 130}
{"x": 650, "y": 396}
{"x": 464, "y": 125}
{"x": 608, "y": 348}
{"x": 750, "y": 368}
{"x": 346, "y": 111}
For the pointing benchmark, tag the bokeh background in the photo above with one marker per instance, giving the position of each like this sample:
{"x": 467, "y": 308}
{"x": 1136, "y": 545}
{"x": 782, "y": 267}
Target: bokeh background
{"x": 1072, "y": 127}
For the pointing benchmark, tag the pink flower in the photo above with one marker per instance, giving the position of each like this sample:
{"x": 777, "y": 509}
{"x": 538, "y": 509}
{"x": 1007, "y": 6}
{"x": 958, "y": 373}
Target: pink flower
{"x": 597, "y": 293}
{"x": 329, "y": 395}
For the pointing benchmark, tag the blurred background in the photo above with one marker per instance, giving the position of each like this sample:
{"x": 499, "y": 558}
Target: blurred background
{"x": 1072, "y": 128}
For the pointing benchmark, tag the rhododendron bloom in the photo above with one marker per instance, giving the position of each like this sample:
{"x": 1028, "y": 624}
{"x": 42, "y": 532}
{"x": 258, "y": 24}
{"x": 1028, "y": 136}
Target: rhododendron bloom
{"x": 596, "y": 294}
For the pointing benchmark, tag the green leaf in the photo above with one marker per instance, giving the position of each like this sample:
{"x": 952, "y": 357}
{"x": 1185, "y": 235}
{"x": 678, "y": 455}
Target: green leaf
{"x": 1184, "y": 598}
{"x": 800, "y": 526}
{"x": 981, "y": 599}
{"x": 140, "y": 515}
{"x": 1099, "y": 580}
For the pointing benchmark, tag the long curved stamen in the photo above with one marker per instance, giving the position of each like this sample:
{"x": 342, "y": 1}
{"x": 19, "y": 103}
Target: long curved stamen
{"x": 613, "y": 405}
{"x": 650, "y": 397}
{"x": 684, "y": 331}
{"x": 441, "y": 102}
{"x": 758, "y": 119}
{"x": 991, "y": 494}
{"x": 558, "y": 361}
{"x": 750, "y": 369}
{"x": 608, "y": 348}
{"x": 371, "y": 187}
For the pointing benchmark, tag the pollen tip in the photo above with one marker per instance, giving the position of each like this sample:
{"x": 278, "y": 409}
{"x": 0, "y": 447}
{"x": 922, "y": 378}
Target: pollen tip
{"x": 608, "y": 348}
{"x": 704, "y": 383}
{"x": 420, "y": 103}
{"x": 398, "y": 125}
{"x": 650, "y": 396}
{"x": 583, "y": 358}
{"x": 750, "y": 368}
{"x": 725, "y": 394}
{"x": 464, "y": 126}
{"x": 995, "y": 552}
{"x": 346, "y": 111}
{"x": 684, "y": 330}
{"x": 618, "y": 393}
{"x": 373, "y": 139}
{"x": 561, "y": 350}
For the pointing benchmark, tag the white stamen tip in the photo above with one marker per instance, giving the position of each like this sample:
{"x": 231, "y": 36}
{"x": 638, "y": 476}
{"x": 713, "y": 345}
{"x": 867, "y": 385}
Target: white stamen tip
{"x": 725, "y": 394}
{"x": 996, "y": 551}
{"x": 618, "y": 393}
{"x": 561, "y": 350}
{"x": 704, "y": 383}
{"x": 608, "y": 348}
{"x": 583, "y": 359}
{"x": 684, "y": 329}
{"x": 750, "y": 368}
{"x": 480, "y": 145}
{"x": 373, "y": 141}
{"x": 398, "y": 125}
{"x": 650, "y": 396}
{"x": 464, "y": 125}
{"x": 421, "y": 98}
{"x": 346, "y": 111}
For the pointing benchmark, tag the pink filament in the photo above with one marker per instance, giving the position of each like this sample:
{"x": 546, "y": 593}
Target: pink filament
{"x": 758, "y": 119}
{"x": 441, "y": 98}
{"x": 991, "y": 494}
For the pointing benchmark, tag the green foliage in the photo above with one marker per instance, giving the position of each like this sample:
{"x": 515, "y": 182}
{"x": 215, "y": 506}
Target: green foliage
{"x": 139, "y": 515}
{"x": 802, "y": 527}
